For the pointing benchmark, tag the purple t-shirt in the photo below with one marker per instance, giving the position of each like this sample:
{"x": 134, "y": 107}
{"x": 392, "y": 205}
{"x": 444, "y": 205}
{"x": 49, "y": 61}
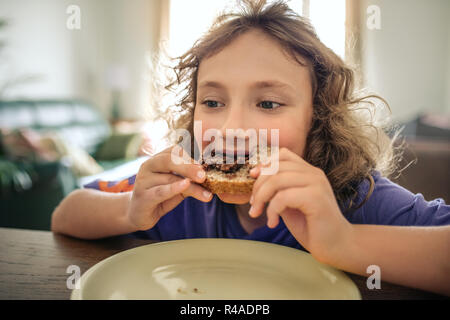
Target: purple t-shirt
{"x": 389, "y": 204}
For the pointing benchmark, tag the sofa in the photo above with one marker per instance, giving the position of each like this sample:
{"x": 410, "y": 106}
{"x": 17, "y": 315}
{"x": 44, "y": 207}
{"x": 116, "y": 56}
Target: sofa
{"x": 31, "y": 187}
{"x": 425, "y": 167}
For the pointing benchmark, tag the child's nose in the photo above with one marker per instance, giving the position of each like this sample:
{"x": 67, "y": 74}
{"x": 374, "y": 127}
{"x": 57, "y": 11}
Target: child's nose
{"x": 239, "y": 134}
{"x": 234, "y": 119}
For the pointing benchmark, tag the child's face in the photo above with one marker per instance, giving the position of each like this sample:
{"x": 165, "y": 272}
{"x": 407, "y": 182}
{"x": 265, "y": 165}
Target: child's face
{"x": 236, "y": 101}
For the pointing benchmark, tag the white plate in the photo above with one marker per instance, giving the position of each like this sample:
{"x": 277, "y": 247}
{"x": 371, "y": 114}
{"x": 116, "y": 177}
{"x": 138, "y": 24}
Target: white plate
{"x": 214, "y": 269}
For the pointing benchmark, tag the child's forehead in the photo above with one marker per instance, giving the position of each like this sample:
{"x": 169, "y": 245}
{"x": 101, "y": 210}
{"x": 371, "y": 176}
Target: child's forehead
{"x": 252, "y": 48}
{"x": 249, "y": 69}
{"x": 252, "y": 41}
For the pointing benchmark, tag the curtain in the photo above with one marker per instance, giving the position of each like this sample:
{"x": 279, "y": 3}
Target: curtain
{"x": 353, "y": 39}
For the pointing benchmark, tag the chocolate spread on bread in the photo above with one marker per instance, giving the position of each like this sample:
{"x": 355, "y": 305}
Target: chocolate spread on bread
{"x": 225, "y": 167}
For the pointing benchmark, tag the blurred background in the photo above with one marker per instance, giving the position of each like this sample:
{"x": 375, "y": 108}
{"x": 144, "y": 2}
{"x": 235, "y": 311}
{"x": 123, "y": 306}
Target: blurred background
{"x": 76, "y": 86}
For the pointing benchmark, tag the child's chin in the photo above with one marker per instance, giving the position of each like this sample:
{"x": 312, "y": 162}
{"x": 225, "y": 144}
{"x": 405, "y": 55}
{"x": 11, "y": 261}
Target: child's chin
{"x": 234, "y": 198}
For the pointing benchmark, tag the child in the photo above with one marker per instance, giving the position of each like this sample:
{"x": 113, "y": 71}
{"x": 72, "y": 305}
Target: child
{"x": 266, "y": 69}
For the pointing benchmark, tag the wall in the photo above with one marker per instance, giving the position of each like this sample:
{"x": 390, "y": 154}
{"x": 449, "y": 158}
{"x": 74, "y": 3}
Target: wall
{"x": 132, "y": 33}
{"x": 407, "y": 60}
{"x": 73, "y": 63}
{"x": 38, "y": 45}
{"x": 447, "y": 84}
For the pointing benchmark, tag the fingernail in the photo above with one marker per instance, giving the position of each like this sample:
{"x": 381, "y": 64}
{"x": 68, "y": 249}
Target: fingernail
{"x": 206, "y": 194}
{"x": 201, "y": 174}
{"x": 251, "y": 211}
{"x": 184, "y": 182}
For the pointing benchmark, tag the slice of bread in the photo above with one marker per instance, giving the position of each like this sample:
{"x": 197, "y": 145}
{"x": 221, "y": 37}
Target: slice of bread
{"x": 238, "y": 182}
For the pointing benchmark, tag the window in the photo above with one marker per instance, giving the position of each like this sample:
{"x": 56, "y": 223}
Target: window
{"x": 190, "y": 19}
{"x": 328, "y": 18}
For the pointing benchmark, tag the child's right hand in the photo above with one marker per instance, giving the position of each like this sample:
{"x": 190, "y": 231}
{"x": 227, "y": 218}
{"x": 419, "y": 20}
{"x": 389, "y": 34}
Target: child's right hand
{"x": 160, "y": 186}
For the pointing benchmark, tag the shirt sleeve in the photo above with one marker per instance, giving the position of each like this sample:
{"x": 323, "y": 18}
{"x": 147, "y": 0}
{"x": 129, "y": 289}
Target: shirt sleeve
{"x": 391, "y": 204}
{"x": 112, "y": 186}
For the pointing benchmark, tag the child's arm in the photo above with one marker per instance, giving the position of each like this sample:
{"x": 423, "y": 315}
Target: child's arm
{"x": 159, "y": 187}
{"x": 412, "y": 256}
{"x": 92, "y": 214}
{"x": 302, "y": 195}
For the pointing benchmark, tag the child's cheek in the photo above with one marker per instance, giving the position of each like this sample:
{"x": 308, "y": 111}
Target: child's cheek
{"x": 294, "y": 141}
{"x": 201, "y": 140}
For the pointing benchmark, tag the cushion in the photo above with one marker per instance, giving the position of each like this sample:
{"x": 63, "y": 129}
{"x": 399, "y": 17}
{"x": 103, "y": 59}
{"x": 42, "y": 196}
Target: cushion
{"x": 28, "y": 144}
{"x": 120, "y": 146}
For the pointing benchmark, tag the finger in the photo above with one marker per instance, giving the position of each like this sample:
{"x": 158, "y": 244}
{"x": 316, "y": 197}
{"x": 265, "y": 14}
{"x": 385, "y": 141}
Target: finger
{"x": 283, "y": 200}
{"x": 283, "y": 155}
{"x": 146, "y": 165}
{"x": 277, "y": 155}
{"x": 198, "y": 192}
{"x": 274, "y": 184}
{"x": 157, "y": 179}
{"x": 170, "y": 204}
{"x": 167, "y": 163}
{"x": 160, "y": 193}
{"x": 193, "y": 190}
{"x": 273, "y": 220}
{"x": 254, "y": 172}
{"x": 283, "y": 167}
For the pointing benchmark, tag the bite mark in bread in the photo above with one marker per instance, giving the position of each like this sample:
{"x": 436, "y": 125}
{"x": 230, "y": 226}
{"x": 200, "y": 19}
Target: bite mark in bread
{"x": 230, "y": 178}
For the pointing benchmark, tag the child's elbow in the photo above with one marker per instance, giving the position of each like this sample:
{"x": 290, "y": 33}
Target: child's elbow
{"x": 54, "y": 223}
{"x": 61, "y": 212}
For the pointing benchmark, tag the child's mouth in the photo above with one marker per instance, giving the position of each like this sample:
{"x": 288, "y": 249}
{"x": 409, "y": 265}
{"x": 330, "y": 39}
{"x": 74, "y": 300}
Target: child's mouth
{"x": 230, "y": 163}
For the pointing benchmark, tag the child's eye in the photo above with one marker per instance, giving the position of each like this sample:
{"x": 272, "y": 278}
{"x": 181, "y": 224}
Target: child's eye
{"x": 269, "y": 105}
{"x": 212, "y": 103}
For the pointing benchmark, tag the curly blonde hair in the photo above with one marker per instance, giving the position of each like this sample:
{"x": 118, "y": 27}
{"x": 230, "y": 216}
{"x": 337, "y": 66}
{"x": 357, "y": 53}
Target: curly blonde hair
{"x": 344, "y": 140}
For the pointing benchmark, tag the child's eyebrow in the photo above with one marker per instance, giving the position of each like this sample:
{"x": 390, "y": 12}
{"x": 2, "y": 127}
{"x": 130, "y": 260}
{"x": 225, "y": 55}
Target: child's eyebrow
{"x": 255, "y": 85}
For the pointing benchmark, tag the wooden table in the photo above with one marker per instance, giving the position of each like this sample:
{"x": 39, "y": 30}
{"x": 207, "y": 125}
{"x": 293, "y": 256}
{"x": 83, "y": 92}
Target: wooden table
{"x": 33, "y": 265}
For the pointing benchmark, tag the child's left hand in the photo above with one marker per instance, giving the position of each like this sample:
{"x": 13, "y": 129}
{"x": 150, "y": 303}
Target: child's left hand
{"x": 302, "y": 195}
